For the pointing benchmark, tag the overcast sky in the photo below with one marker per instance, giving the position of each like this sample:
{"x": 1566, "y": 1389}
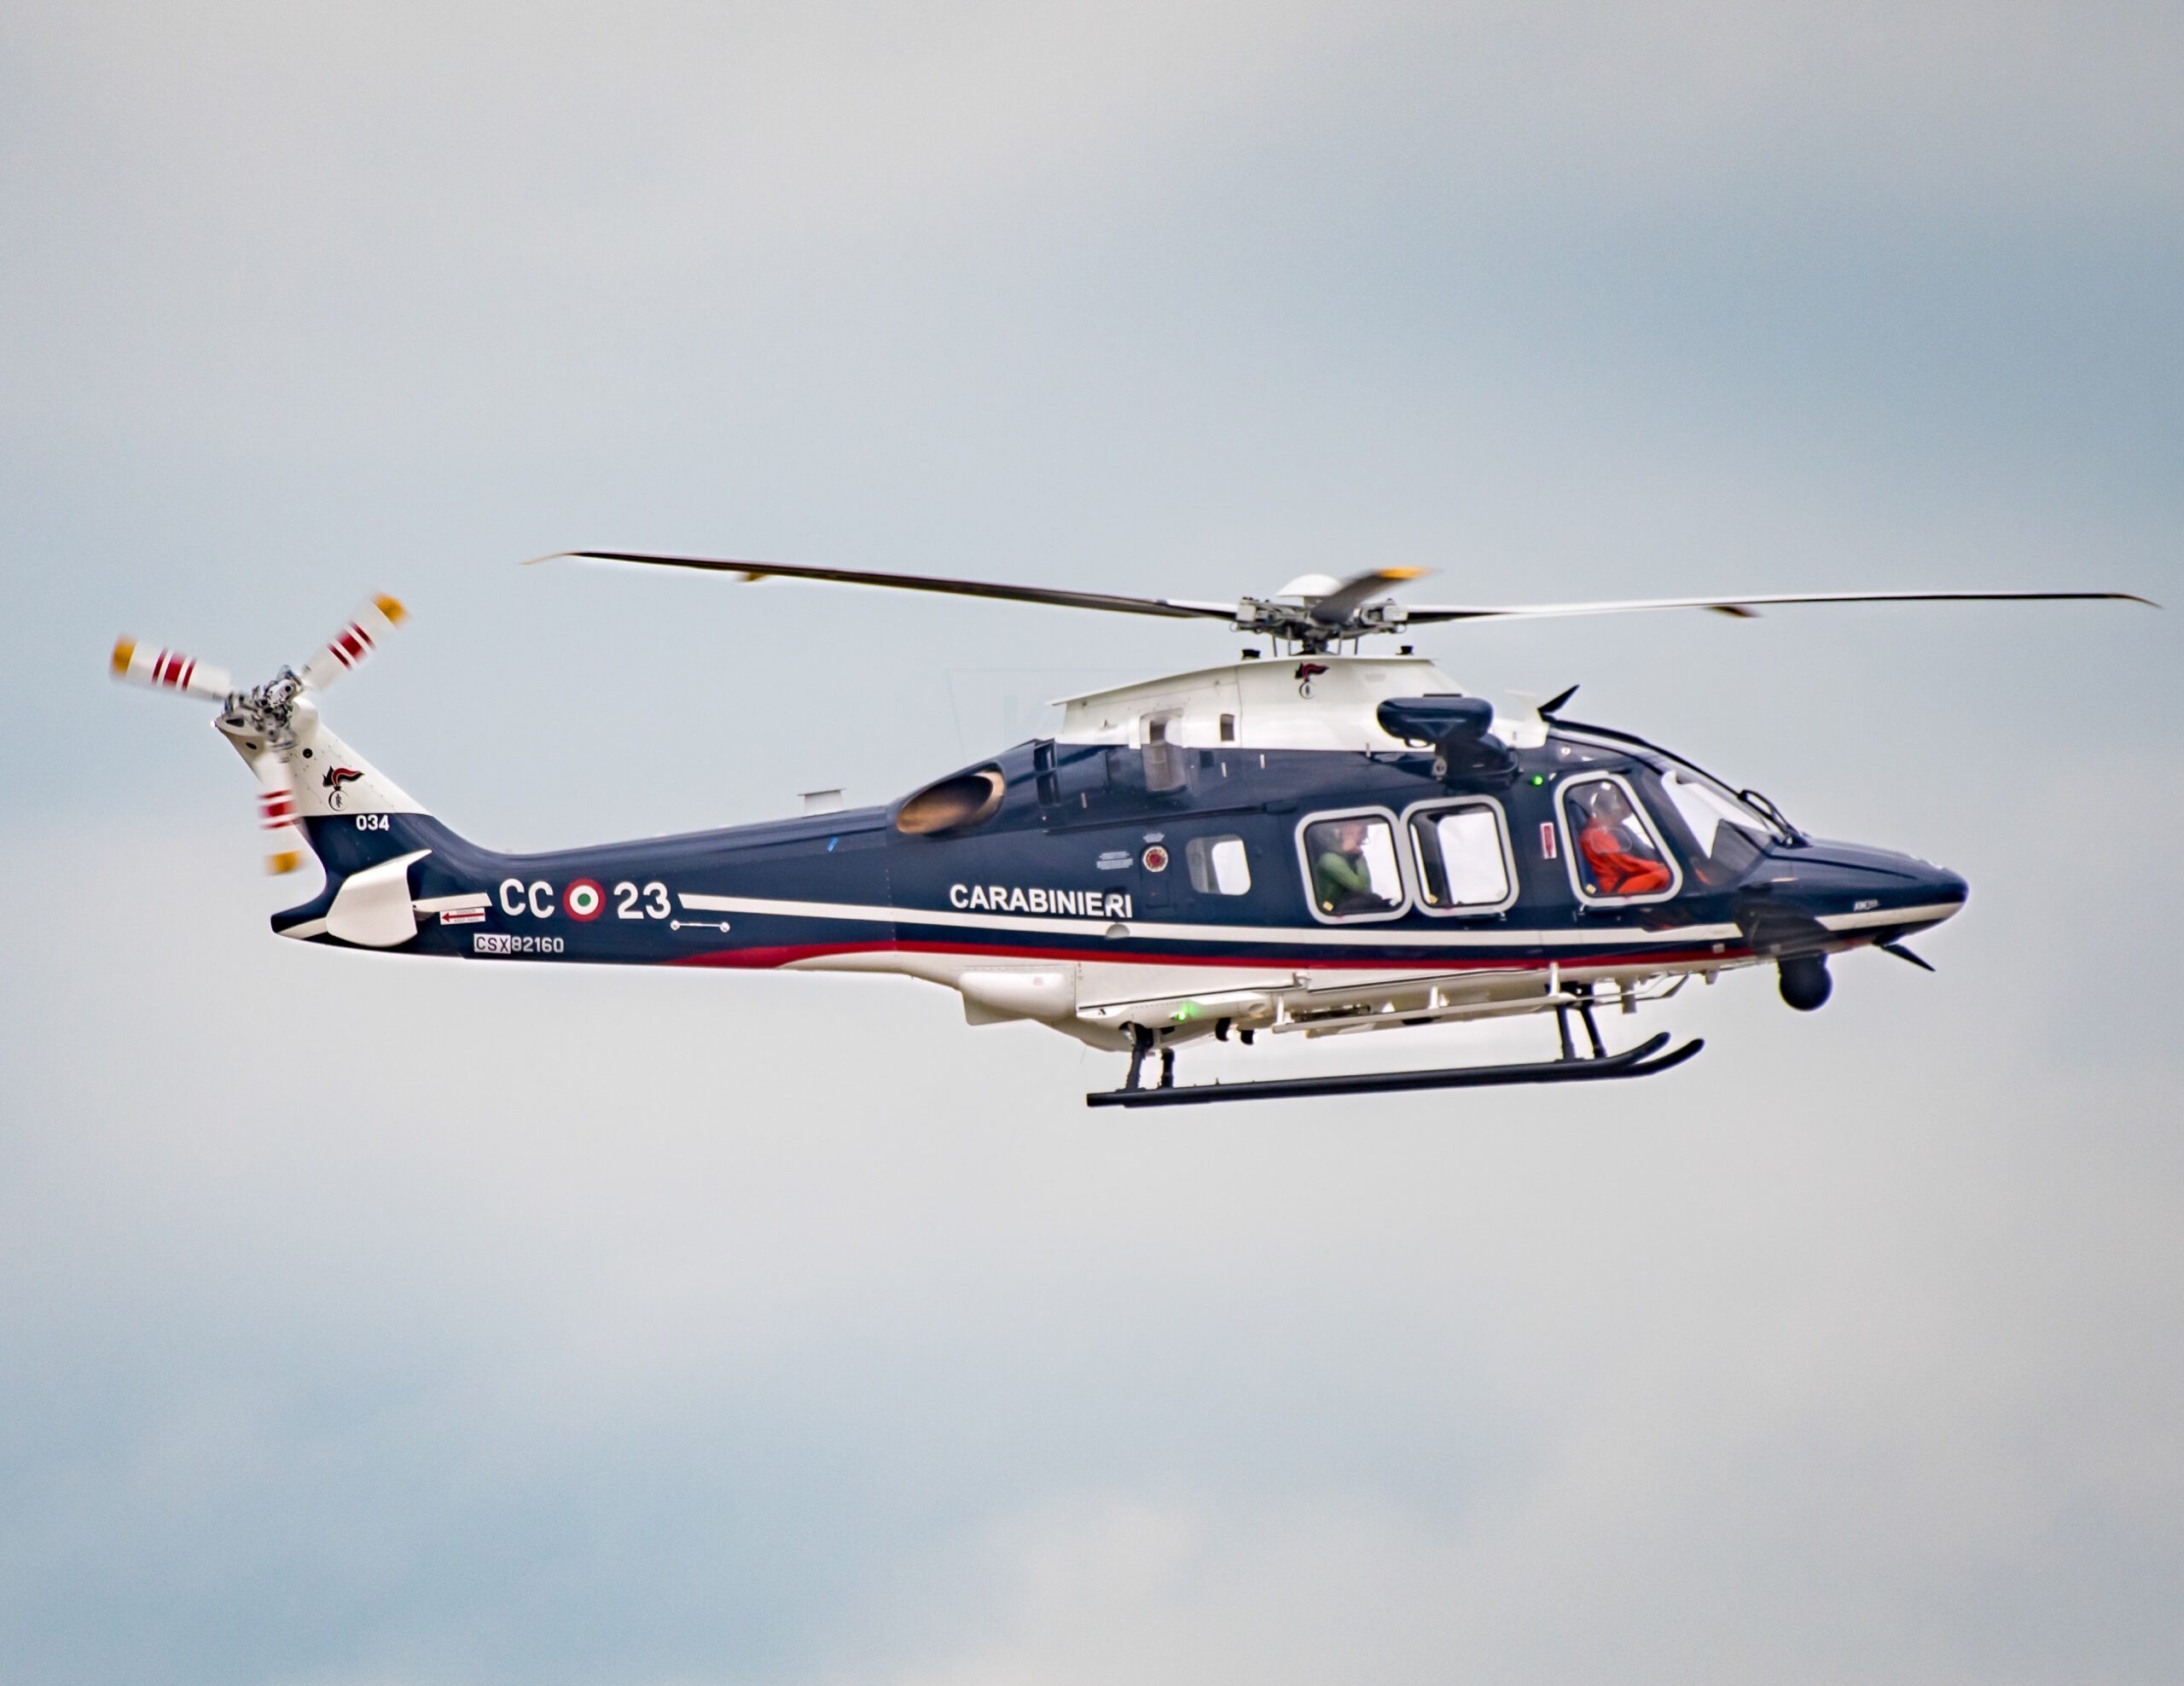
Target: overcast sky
{"x": 365, "y": 1321}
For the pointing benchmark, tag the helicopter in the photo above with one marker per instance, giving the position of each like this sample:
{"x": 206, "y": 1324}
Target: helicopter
{"x": 1313, "y": 839}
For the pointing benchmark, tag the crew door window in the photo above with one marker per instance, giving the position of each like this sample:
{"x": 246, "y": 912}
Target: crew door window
{"x": 1463, "y": 858}
{"x": 1349, "y": 862}
{"x": 1616, "y": 853}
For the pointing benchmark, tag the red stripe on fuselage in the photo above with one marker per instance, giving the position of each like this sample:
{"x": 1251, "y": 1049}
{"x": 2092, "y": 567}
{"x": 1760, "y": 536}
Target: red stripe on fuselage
{"x": 761, "y": 959}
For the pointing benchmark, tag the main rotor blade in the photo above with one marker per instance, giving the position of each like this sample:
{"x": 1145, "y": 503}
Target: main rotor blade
{"x": 1177, "y": 608}
{"x": 1338, "y": 606}
{"x": 1751, "y": 605}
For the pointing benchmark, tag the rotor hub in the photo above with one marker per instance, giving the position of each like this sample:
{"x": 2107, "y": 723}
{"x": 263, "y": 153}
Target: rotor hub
{"x": 1311, "y": 629}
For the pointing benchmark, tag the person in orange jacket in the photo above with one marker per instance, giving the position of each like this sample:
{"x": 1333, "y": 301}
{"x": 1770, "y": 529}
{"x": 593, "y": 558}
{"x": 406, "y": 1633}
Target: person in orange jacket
{"x": 1617, "y": 853}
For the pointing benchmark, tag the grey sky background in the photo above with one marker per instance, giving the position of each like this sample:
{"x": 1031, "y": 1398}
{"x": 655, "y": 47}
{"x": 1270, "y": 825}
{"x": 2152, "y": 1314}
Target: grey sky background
{"x": 371, "y": 1322}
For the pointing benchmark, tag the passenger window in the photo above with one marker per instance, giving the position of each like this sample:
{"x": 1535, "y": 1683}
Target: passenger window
{"x": 1352, "y": 863}
{"x": 1218, "y": 866}
{"x": 1617, "y": 857}
{"x": 1463, "y": 864}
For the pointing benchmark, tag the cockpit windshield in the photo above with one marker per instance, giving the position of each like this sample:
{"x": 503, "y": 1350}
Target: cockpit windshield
{"x": 1706, "y": 805}
{"x": 1727, "y": 834}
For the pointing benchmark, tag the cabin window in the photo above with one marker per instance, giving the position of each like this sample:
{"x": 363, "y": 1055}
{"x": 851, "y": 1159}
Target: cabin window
{"x": 1462, "y": 851}
{"x": 1616, "y": 854}
{"x": 1349, "y": 865}
{"x": 1218, "y": 866}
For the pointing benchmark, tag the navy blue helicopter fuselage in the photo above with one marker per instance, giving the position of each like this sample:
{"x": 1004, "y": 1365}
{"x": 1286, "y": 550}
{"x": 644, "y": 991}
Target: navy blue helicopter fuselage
{"x": 1087, "y": 858}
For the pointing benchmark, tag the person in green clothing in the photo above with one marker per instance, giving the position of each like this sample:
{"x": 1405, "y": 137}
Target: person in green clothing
{"x": 1341, "y": 878}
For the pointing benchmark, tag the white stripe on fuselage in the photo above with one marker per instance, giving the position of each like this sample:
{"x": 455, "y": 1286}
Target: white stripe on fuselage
{"x": 1890, "y": 915}
{"x": 1380, "y": 936}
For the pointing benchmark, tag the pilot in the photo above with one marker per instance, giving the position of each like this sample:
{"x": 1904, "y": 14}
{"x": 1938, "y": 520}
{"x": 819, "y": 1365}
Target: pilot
{"x": 1340, "y": 876}
{"x": 1611, "y": 841}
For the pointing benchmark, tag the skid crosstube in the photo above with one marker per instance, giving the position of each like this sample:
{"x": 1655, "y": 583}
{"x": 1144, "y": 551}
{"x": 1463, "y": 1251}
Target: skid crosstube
{"x": 1639, "y": 1061}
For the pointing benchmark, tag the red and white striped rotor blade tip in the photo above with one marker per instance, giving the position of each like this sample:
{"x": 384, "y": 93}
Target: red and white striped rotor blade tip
{"x": 285, "y": 843}
{"x": 379, "y": 616}
{"x": 169, "y": 670}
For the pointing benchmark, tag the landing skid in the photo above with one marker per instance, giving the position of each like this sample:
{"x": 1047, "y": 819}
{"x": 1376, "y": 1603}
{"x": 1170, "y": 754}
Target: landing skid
{"x": 1639, "y": 1061}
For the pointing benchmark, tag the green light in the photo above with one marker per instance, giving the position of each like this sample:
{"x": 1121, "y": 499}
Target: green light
{"x": 1188, "y": 1011}
{"x": 1539, "y": 778}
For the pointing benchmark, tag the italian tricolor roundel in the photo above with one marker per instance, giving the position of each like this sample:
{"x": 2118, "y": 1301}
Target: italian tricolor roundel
{"x": 583, "y": 899}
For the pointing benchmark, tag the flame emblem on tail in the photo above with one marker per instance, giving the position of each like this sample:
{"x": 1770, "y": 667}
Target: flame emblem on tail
{"x": 335, "y": 778}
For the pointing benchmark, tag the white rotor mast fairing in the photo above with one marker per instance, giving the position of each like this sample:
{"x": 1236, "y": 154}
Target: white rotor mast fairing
{"x": 1317, "y": 611}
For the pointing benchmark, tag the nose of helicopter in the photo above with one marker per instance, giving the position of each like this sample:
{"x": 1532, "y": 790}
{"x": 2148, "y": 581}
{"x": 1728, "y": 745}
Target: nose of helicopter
{"x": 1944, "y": 888}
{"x": 1817, "y": 896}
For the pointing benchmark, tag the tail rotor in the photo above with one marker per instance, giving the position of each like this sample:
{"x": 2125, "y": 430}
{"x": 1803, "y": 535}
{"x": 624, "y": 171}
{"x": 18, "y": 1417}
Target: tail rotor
{"x": 169, "y": 671}
{"x": 268, "y": 724}
{"x": 342, "y": 653}
{"x": 285, "y": 844}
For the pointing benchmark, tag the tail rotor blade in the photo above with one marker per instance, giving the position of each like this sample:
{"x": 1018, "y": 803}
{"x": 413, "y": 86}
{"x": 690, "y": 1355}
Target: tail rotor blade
{"x": 169, "y": 671}
{"x": 285, "y": 843}
{"x": 379, "y": 616}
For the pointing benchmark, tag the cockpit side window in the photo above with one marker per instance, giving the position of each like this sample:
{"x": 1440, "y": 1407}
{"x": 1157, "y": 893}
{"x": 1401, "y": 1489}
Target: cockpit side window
{"x": 1351, "y": 867}
{"x": 1616, "y": 854}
